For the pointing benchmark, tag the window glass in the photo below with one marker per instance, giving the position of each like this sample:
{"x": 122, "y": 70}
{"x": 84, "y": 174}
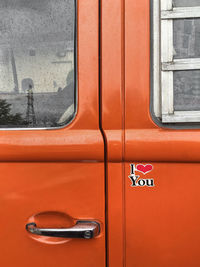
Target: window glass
{"x": 176, "y": 61}
{"x": 187, "y": 90}
{"x": 37, "y": 66}
{"x": 186, "y": 38}
{"x": 186, "y": 3}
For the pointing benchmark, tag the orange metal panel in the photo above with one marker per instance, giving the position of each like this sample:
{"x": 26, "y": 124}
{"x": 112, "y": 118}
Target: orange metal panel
{"x": 112, "y": 90}
{"x": 81, "y": 140}
{"x": 162, "y": 221}
{"x": 75, "y": 190}
{"x": 162, "y": 145}
{"x": 112, "y": 64}
{"x": 147, "y": 140}
{"x": 57, "y": 194}
{"x": 137, "y": 32}
{"x": 116, "y": 226}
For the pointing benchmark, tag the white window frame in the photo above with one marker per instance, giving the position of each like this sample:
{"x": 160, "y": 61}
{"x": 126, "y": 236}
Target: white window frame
{"x": 164, "y": 65}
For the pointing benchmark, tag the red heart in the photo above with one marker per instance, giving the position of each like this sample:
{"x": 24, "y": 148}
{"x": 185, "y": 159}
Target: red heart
{"x": 144, "y": 168}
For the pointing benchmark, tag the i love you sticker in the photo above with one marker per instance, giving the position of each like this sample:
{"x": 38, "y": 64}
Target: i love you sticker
{"x": 135, "y": 175}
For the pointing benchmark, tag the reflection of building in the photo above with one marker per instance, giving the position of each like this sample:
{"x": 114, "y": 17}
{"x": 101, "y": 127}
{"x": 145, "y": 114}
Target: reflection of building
{"x": 186, "y": 38}
{"x": 37, "y": 44}
{"x": 37, "y": 41}
{"x": 187, "y": 90}
{"x": 186, "y": 3}
{"x": 48, "y": 66}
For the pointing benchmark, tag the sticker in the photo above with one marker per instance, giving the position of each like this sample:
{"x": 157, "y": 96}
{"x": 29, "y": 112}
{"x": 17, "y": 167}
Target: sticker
{"x": 136, "y": 179}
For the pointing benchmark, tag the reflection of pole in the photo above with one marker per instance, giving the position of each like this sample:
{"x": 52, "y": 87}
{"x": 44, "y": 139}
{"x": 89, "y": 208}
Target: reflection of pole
{"x": 14, "y": 69}
{"x": 30, "y": 113}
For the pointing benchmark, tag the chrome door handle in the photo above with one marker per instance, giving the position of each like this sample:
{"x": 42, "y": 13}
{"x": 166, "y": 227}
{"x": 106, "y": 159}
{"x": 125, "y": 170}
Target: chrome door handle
{"x": 82, "y": 229}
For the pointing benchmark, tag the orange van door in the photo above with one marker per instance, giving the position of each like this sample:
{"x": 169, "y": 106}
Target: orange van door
{"x": 162, "y": 167}
{"x": 51, "y": 147}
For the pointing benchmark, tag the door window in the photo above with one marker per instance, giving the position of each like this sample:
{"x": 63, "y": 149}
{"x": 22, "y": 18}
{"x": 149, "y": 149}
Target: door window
{"x": 37, "y": 63}
{"x": 176, "y": 64}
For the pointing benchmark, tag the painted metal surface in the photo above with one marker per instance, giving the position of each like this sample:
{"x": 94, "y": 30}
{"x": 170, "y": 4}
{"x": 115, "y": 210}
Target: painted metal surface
{"x": 50, "y": 195}
{"x": 56, "y": 177}
{"x": 77, "y": 141}
{"x": 147, "y": 225}
{"x": 145, "y": 140}
{"x": 112, "y": 76}
{"x": 155, "y": 226}
{"x": 112, "y": 91}
{"x": 162, "y": 221}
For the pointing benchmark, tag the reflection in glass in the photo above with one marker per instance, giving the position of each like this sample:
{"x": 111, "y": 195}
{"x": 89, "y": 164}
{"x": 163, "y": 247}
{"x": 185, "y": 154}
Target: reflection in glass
{"x": 187, "y": 90}
{"x": 36, "y": 62}
{"x": 186, "y": 3}
{"x": 186, "y": 38}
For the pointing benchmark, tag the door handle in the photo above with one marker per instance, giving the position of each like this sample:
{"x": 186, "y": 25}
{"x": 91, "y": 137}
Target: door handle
{"x": 82, "y": 229}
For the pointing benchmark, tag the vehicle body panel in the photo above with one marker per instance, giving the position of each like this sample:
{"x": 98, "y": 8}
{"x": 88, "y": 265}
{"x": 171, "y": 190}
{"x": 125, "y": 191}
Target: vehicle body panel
{"x": 161, "y": 221}
{"x": 53, "y": 195}
{"x": 56, "y": 177}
